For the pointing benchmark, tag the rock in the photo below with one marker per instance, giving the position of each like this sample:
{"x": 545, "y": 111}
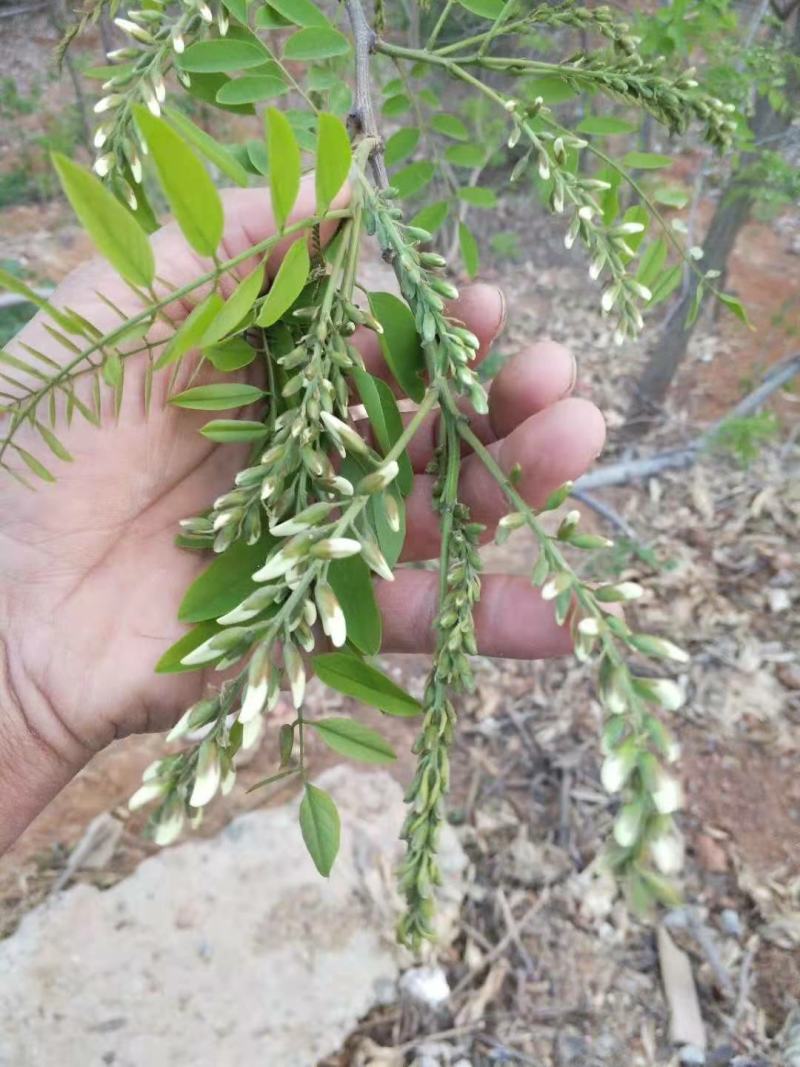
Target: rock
{"x": 789, "y": 675}
{"x": 710, "y": 854}
{"x": 685, "y": 1020}
{"x": 228, "y": 950}
{"x": 691, "y": 1056}
{"x": 721, "y": 1056}
{"x": 426, "y": 985}
{"x": 730, "y": 922}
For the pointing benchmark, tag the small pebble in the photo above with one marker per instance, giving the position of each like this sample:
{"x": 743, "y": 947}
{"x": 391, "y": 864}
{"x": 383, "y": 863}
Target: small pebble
{"x": 730, "y": 922}
{"x": 692, "y": 1056}
{"x": 721, "y": 1057}
{"x": 426, "y": 985}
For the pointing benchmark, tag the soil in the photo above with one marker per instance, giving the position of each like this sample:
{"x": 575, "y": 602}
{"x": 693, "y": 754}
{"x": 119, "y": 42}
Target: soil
{"x": 579, "y": 983}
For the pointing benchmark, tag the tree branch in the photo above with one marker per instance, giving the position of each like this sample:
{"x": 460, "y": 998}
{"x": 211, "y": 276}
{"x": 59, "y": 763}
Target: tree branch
{"x": 680, "y": 458}
{"x": 362, "y": 116}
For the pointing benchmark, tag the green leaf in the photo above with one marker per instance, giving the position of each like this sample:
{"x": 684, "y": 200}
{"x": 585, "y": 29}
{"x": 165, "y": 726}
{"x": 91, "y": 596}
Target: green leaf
{"x": 320, "y": 826}
{"x": 316, "y": 42}
{"x": 384, "y": 418}
{"x": 334, "y": 157}
{"x": 250, "y": 89}
{"x": 190, "y": 192}
{"x": 218, "y": 397}
{"x": 466, "y": 155}
{"x": 227, "y": 581}
{"x": 432, "y": 216}
{"x": 413, "y": 178}
{"x": 645, "y": 161}
{"x": 206, "y": 86}
{"x": 351, "y": 581}
{"x": 450, "y": 126}
{"x": 400, "y": 342}
{"x": 235, "y": 307}
{"x": 552, "y": 88}
{"x": 351, "y": 676}
{"x": 12, "y": 284}
{"x": 115, "y": 232}
{"x": 487, "y": 9}
{"x": 58, "y": 449}
{"x": 214, "y": 152}
{"x": 390, "y": 541}
{"x": 666, "y": 284}
{"x": 401, "y": 145}
{"x": 269, "y": 19}
{"x": 478, "y": 196}
{"x": 651, "y": 263}
{"x": 231, "y": 431}
{"x": 190, "y": 331}
{"x": 170, "y": 662}
{"x": 33, "y": 464}
{"x": 733, "y": 304}
{"x": 604, "y": 125}
{"x": 353, "y": 739}
{"x": 222, "y": 55}
{"x": 289, "y": 283}
{"x": 257, "y": 154}
{"x": 238, "y": 8}
{"x": 300, "y": 12}
{"x": 671, "y": 196}
{"x": 469, "y": 249}
{"x": 396, "y": 105}
{"x": 232, "y": 355}
{"x": 284, "y": 179}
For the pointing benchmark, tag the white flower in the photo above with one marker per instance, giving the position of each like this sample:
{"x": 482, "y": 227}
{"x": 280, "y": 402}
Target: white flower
{"x": 207, "y": 775}
{"x": 589, "y": 627}
{"x": 667, "y": 853}
{"x": 668, "y": 693}
{"x": 168, "y": 828}
{"x": 336, "y": 548}
{"x": 331, "y": 615}
{"x": 626, "y": 825}
{"x": 668, "y": 795}
{"x": 204, "y": 653}
{"x": 296, "y": 674}
{"x": 379, "y": 478}
{"x": 145, "y": 793}
{"x": 615, "y": 771}
{"x": 251, "y": 731}
{"x": 255, "y": 698}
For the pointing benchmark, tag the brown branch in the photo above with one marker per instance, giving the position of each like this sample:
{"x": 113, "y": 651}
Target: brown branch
{"x": 362, "y": 116}
{"x": 680, "y": 458}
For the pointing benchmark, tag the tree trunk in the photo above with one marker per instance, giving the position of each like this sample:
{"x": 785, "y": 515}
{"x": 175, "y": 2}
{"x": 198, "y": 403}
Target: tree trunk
{"x": 733, "y": 211}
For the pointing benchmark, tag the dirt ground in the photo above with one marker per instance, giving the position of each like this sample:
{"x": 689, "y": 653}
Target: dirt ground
{"x": 576, "y": 979}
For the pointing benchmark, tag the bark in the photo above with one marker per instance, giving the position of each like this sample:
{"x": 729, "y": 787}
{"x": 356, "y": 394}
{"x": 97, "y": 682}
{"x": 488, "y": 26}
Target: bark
{"x": 733, "y": 211}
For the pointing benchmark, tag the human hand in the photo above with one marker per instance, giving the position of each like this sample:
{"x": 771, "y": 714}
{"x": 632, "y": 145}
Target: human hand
{"x": 89, "y": 574}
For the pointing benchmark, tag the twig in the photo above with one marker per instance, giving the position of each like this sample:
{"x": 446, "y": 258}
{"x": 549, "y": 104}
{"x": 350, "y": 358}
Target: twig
{"x": 680, "y": 458}
{"x": 606, "y": 512}
{"x": 502, "y": 944}
{"x": 363, "y": 112}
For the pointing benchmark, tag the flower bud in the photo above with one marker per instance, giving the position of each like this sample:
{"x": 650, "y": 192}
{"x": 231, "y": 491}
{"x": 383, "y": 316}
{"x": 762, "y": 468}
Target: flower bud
{"x": 169, "y": 824}
{"x": 628, "y": 824}
{"x": 668, "y": 794}
{"x": 207, "y": 775}
{"x": 667, "y": 852}
{"x": 340, "y": 430}
{"x": 335, "y": 548}
{"x": 378, "y": 479}
{"x": 295, "y": 672}
{"x": 145, "y": 793}
{"x": 331, "y": 614}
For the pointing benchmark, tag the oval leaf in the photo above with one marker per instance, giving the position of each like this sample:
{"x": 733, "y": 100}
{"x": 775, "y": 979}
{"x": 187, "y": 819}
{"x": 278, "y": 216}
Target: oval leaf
{"x": 289, "y": 283}
{"x": 351, "y": 581}
{"x": 115, "y": 232}
{"x": 250, "y": 89}
{"x": 320, "y": 826}
{"x": 188, "y": 334}
{"x": 400, "y": 343}
{"x": 469, "y": 249}
{"x": 190, "y": 192}
{"x": 222, "y": 55}
{"x": 334, "y": 157}
{"x": 646, "y": 161}
{"x": 401, "y": 145}
{"x": 316, "y": 42}
{"x": 235, "y": 307}
{"x": 349, "y": 675}
{"x": 225, "y": 582}
{"x": 219, "y": 397}
{"x": 233, "y": 355}
{"x": 231, "y": 431}
{"x": 300, "y": 12}
{"x": 385, "y": 420}
{"x": 284, "y": 179}
{"x": 353, "y": 739}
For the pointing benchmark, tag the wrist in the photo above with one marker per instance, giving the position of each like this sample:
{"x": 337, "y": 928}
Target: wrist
{"x": 33, "y": 769}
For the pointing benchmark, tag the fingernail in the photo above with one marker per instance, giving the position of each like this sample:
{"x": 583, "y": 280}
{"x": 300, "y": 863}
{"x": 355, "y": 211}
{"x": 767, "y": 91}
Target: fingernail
{"x": 501, "y": 325}
{"x": 573, "y": 375}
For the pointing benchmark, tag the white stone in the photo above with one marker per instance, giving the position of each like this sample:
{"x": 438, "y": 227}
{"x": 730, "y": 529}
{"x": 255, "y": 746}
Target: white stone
{"x": 223, "y": 951}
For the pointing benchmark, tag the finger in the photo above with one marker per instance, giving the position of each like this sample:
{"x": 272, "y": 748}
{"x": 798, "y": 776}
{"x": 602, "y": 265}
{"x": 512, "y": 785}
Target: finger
{"x": 533, "y": 379}
{"x": 481, "y": 308}
{"x": 551, "y": 447}
{"x": 511, "y": 619}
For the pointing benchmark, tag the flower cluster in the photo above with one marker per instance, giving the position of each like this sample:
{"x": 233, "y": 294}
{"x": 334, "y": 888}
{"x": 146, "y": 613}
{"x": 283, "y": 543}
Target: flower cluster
{"x": 450, "y": 347}
{"x": 156, "y": 36}
{"x": 451, "y": 673}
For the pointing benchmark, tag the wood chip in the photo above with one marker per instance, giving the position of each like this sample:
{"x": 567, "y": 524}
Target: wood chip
{"x": 686, "y": 1025}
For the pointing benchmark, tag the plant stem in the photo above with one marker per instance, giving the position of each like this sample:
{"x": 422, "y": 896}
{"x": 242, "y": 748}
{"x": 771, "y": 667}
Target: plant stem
{"x": 364, "y": 40}
{"x": 437, "y": 29}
